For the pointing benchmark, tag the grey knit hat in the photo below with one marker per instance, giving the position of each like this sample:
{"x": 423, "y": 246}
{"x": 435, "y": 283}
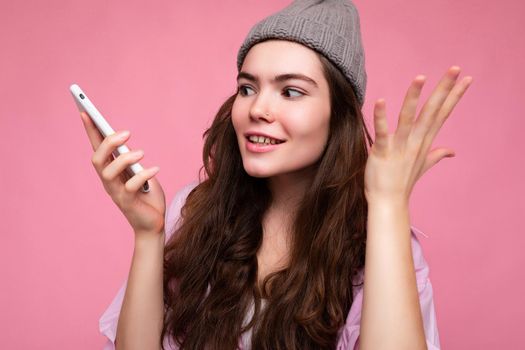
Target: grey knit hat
{"x": 330, "y": 27}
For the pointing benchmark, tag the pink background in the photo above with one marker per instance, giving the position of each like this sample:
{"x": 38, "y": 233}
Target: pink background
{"x": 163, "y": 70}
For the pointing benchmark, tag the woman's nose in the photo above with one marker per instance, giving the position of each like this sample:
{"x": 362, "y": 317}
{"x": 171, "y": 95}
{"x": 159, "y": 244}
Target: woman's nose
{"x": 261, "y": 110}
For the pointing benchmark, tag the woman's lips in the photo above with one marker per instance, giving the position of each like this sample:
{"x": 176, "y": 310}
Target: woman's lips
{"x": 261, "y": 147}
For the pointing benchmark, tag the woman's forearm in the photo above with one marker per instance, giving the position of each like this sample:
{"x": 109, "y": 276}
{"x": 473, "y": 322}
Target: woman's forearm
{"x": 141, "y": 317}
{"x": 391, "y": 316}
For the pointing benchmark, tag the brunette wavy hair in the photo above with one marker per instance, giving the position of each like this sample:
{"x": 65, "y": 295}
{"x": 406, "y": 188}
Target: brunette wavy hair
{"x": 221, "y": 231}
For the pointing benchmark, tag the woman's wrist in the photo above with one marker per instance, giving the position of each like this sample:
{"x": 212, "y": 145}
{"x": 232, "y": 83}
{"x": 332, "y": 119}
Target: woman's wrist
{"x": 399, "y": 201}
{"x": 386, "y": 215}
{"x": 149, "y": 238}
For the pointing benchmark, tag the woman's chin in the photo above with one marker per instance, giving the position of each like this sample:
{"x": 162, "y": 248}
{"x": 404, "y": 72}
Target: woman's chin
{"x": 257, "y": 173}
{"x": 258, "y": 170}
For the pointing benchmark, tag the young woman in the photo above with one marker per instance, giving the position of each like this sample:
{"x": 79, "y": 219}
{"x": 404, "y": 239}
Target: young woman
{"x": 298, "y": 236}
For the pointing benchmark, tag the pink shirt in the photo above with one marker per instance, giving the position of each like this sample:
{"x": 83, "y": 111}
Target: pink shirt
{"x": 349, "y": 333}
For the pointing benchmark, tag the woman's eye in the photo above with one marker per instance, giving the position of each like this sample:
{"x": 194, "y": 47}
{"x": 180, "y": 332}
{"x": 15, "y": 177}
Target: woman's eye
{"x": 289, "y": 92}
{"x": 299, "y": 93}
{"x": 241, "y": 89}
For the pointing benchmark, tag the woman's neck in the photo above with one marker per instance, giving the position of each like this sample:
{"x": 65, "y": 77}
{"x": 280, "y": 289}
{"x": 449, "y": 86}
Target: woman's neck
{"x": 288, "y": 189}
{"x": 287, "y": 192}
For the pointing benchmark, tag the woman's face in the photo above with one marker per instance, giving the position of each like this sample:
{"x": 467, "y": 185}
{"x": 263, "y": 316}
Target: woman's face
{"x": 273, "y": 101}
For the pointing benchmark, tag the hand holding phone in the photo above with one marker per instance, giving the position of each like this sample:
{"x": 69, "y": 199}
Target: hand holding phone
{"x": 112, "y": 160}
{"x": 84, "y": 104}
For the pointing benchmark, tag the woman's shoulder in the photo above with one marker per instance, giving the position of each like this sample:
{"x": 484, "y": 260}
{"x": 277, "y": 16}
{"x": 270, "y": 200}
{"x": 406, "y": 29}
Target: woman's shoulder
{"x": 172, "y": 215}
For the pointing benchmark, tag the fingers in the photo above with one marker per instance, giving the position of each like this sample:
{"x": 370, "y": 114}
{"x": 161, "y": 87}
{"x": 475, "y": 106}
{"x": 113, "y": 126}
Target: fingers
{"x": 413, "y": 137}
{"x": 119, "y": 165}
{"x": 408, "y": 109}
{"x": 113, "y": 172}
{"x": 94, "y": 136}
{"x": 453, "y": 98}
{"x": 108, "y": 168}
{"x": 429, "y": 111}
{"x": 442, "y": 114}
{"x": 102, "y": 155}
{"x": 434, "y": 157}
{"x": 380, "y": 126}
{"x": 136, "y": 182}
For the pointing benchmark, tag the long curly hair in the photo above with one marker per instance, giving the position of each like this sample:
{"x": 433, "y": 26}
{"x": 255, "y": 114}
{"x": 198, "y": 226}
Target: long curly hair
{"x": 210, "y": 265}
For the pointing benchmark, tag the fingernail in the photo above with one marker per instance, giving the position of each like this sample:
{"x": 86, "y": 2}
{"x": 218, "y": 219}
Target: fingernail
{"x": 155, "y": 169}
{"x": 123, "y": 134}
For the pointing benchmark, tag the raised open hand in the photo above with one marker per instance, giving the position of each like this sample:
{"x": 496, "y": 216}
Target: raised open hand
{"x": 396, "y": 161}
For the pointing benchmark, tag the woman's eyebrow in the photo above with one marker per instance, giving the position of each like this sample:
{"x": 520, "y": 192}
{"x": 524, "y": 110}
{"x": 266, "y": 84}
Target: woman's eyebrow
{"x": 278, "y": 78}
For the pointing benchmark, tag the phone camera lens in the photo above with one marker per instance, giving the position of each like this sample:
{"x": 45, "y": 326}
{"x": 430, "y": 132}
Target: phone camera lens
{"x": 81, "y": 96}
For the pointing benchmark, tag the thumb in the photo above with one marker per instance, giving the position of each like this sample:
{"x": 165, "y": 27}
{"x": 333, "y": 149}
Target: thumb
{"x": 435, "y": 156}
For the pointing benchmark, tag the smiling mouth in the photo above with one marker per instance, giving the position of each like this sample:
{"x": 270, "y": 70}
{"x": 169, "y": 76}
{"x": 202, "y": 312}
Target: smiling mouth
{"x": 261, "y": 140}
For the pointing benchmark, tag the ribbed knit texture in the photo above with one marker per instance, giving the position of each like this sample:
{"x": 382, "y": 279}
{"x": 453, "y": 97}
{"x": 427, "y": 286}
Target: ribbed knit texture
{"x": 331, "y": 27}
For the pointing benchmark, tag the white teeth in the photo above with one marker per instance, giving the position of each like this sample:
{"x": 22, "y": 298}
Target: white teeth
{"x": 262, "y": 139}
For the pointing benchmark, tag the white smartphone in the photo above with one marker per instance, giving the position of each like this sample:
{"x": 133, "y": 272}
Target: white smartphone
{"x": 85, "y": 105}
